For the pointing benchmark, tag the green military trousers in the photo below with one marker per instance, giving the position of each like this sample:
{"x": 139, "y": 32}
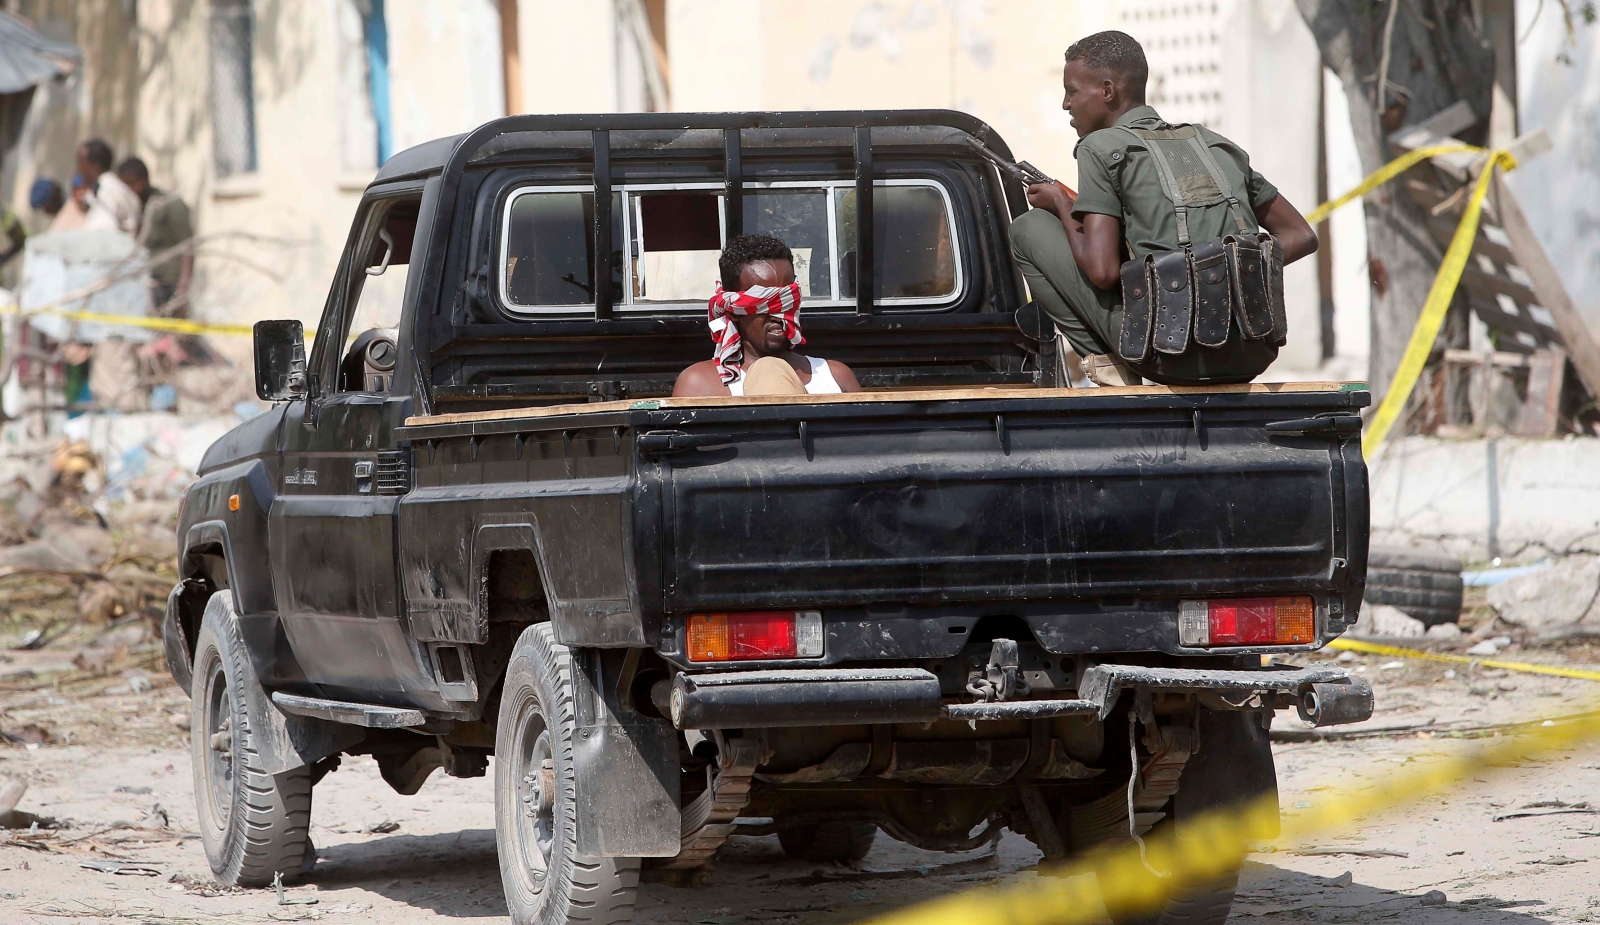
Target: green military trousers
{"x": 1091, "y": 318}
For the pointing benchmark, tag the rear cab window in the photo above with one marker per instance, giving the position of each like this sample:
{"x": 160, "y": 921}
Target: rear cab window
{"x": 668, "y": 237}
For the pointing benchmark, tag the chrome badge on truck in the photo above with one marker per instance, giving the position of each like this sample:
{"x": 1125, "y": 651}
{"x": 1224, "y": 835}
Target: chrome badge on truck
{"x": 301, "y": 477}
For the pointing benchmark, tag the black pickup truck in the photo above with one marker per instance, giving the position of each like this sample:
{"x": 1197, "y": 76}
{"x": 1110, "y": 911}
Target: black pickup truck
{"x": 967, "y": 598}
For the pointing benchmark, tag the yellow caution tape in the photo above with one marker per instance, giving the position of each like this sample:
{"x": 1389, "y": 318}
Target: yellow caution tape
{"x": 1215, "y": 844}
{"x": 1433, "y": 310}
{"x": 1383, "y": 175}
{"x": 1373, "y": 648}
{"x": 169, "y": 325}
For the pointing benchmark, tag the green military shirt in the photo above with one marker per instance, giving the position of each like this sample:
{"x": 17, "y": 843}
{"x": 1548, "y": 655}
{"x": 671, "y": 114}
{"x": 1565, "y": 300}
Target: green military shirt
{"x": 1117, "y": 176}
{"x": 166, "y": 225}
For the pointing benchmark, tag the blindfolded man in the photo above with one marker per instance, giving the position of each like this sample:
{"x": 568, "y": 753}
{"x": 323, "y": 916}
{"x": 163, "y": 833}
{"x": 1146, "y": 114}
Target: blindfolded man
{"x": 755, "y": 324}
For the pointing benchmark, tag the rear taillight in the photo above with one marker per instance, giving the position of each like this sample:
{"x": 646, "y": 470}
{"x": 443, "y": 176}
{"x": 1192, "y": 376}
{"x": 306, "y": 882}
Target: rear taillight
{"x": 1256, "y": 621}
{"x": 736, "y": 637}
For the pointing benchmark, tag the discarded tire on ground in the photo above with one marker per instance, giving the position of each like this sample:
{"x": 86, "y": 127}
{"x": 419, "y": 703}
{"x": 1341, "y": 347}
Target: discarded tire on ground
{"x": 1424, "y": 585}
{"x": 822, "y": 842}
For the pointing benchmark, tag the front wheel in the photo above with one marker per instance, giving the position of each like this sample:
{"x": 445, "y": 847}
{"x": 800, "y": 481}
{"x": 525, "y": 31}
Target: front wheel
{"x": 535, "y": 819}
{"x": 253, "y": 824}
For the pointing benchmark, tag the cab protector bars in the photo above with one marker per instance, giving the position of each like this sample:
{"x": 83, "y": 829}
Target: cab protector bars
{"x": 865, "y": 213}
{"x": 432, "y": 298}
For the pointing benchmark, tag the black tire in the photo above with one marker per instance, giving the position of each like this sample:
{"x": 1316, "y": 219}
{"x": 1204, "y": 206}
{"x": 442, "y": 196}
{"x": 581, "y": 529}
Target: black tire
{"x": 1233, "y": 767}
{"x": 824, "y": 842}
{"x": 1424, "y": 585}
{"x": 253, "y": 824}
{"x": 536, "y": 821}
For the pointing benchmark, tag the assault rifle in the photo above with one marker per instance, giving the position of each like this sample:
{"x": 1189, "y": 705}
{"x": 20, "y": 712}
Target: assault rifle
{"x": 1021, "y": 171}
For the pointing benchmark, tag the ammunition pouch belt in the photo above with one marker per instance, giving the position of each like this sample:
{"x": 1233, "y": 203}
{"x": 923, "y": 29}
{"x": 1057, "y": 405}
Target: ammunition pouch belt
{"x": 1179, "y": 299}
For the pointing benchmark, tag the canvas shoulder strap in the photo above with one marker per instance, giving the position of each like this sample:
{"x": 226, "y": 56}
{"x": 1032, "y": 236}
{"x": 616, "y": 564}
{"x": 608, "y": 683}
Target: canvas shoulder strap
{"x": 1189, "y": 187}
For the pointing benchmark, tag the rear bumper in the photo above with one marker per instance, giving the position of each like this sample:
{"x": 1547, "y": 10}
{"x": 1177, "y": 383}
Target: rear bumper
{"x": 1325, "y": 695}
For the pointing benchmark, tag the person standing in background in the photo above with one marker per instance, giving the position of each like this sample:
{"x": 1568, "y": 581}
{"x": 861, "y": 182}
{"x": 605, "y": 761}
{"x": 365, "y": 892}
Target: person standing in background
{"x": 165, "y": 225}
{"x": 107, "y": 193}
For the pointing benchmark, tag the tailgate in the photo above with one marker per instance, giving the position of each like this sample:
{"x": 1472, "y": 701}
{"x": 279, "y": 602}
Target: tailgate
{"x": 1009, "y": 500}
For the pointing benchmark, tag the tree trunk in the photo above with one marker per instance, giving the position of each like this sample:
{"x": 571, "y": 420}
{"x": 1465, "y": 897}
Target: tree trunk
{"x": 1437, "y": 55}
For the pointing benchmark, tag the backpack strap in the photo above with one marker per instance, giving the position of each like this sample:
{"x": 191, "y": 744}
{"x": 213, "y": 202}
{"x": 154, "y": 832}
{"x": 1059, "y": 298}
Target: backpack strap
{"x": 1169, "y": 181}
{"x": 1203, "y": 151}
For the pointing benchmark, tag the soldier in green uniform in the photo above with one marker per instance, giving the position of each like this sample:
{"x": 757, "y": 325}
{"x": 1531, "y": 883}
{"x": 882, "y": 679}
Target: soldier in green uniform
{"x": 1072, "y": 251}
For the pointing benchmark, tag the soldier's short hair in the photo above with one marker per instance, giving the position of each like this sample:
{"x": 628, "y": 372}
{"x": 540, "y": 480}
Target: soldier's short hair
{"x": 1116, "y": 52}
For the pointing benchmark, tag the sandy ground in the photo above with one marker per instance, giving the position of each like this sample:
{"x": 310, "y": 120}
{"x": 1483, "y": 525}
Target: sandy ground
{"x": 116, "y": 772}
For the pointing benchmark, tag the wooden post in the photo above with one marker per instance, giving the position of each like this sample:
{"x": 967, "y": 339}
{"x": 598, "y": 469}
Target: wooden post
{"x": 1541, "y": 413}
{"x": 510, "y": 56}
{"x": 1547, "y": 286}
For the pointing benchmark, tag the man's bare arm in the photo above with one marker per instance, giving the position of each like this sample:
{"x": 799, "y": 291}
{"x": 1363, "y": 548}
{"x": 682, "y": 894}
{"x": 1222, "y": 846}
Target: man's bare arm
{"x": 1096, "y": 241}
{"x": 1287, "y": 225}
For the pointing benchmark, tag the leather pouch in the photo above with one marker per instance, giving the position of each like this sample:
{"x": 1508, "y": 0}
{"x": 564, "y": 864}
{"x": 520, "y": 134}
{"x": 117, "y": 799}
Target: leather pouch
{"x": 1250, "y": 296}
{"x": 1213, "y": 312}
{"x": 1174, "y": 301}
{"x": 1272, "y": 255}
{"x": 1138, "y": 303}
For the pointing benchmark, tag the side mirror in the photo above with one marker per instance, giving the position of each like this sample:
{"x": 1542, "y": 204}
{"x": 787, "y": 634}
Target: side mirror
{"x": 280, "y": 360}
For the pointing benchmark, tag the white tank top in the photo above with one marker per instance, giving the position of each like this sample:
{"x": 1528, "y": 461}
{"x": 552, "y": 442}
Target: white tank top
{"x": 822, "y": 381}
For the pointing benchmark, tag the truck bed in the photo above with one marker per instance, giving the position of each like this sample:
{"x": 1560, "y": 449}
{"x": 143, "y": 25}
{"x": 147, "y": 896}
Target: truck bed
{"x": 1089, "y": 513}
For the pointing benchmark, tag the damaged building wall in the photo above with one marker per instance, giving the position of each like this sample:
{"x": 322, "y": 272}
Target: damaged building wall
{"x": 99, "y": 99}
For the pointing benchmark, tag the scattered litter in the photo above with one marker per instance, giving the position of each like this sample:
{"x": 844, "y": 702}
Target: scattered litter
{"x": 156, "y": 818}
{"x": 1356, "y": 852}
{"x": 1550, "y": 808}
{"x": 121, "y": 868}
{"x": 1454, "y": 854}
{"x": 1490, "y": 647}
{"x": 200, "y": 885}
{"x": 138, "y": 681}
{"x": 31, "y": 735}
{"x": 383, "y": 828}
{"x": 140, "y": 791}
{"x": 1557, "y": 861}
{"x": 285, "y": 900}
{"x": 1390, "y": 666}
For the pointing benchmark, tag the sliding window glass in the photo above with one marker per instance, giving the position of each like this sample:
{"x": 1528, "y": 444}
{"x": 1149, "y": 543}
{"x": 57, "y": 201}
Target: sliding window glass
{"x": 914, "y": 253}
{"x": 798, "y": 217}
{"x": 548, "y": 250}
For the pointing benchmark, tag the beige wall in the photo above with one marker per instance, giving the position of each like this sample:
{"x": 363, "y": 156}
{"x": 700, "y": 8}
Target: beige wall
{"x": 97, "y": 101}
{"x": 999, "y": 61}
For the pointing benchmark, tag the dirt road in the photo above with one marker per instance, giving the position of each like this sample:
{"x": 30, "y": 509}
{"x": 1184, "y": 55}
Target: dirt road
{"x": 116, "y": 772}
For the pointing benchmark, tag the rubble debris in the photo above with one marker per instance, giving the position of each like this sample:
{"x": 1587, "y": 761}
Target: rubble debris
{"x": 1549, "y": 808}
{"x": 1354, "y": 852}
{"x": 286, "y": 900}
{"x": 1490, "y": 647}
{"x": 1384, "y": 620}
{"x": 1552, "y": 602}
{"x": 383, "y": 828}
{"x": 31, "y": 735}
{"x": 120, "y": 868}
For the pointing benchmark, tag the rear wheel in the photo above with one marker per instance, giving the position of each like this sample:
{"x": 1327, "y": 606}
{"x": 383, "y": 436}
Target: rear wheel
{"x": 1232, "y": 767}
{"x": 838, "y": 842}
{"x": 536, "y": 821}
{"x": 253, "y": 824}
